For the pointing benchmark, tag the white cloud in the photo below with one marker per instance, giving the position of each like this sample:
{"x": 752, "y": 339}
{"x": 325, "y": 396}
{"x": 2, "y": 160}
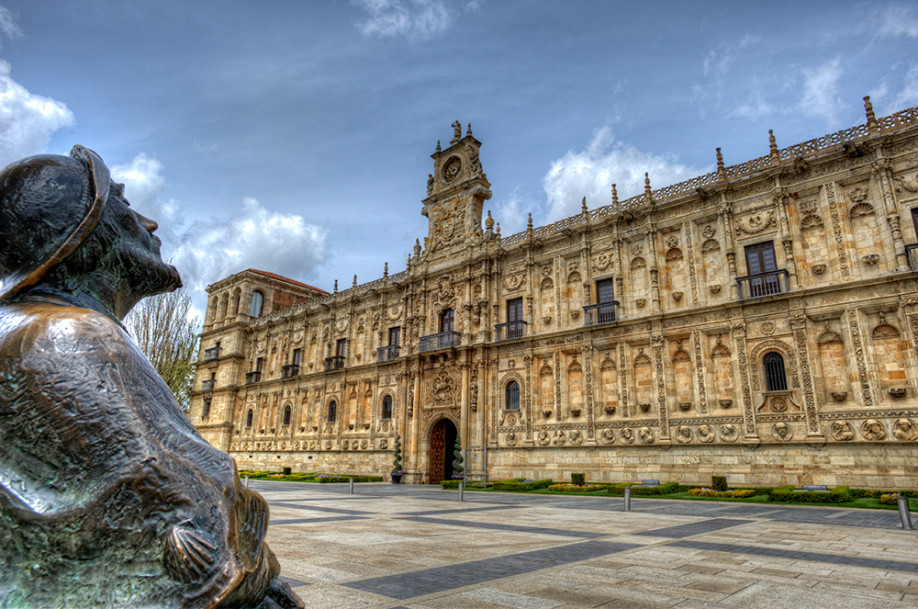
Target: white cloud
{"x": 897, "y": 20}
{"x": 512, "y": 213}
{"x": 8, "y": 27}
{"x": 820, "y": 91}
{"x": 27, "y": 121}
{"x": 415, "y": 19}
{"x": 908, "y": 95}
{"x": 208, "y": 250}
{"x": 591, "y": 173}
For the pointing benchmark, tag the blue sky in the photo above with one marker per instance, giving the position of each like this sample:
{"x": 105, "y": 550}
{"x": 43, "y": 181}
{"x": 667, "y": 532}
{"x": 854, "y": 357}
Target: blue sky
{"x": 295, "y": 136}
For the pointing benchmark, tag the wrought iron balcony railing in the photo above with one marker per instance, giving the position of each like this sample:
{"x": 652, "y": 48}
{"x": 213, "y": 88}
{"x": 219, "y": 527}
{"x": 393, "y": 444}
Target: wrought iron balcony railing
{"x": 387, "y": 354}
{"x": 336, "y": 362}
{"x": 911, "y": 252}
{"x": 207, "y": 385}
{"x": 763, "y": 284}
{"x": 252, "y": 377}
{"x": 435, "y": 342}
{"x": 509, "y": 330}
{"x": 212, "y": 353}
{"x": 290, "y": 371}
{"x": 602, "y": 313}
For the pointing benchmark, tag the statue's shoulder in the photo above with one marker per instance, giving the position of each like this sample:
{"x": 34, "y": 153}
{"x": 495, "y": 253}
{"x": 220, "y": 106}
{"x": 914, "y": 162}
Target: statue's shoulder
{"x": 53, "y": 327}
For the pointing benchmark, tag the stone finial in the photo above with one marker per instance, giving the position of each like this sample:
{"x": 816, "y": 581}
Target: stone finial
{"x": 457, "y": 133}
{"x": 773, "y": 147}
{"x": 872, "y": 125}
{"x": 417, "y": 247}
{"x": 583, "y": 207}
{"x": 355, "y": 281}
{"x": 438, "y": 146}
{"x": 385, "y": 270}
{"x": 721, "y": 172}
{"x": 489, "y": 221}
{"x": 498, "y": 230}
{"x": 647, "y": 192}
{"x": 468, "y": 133}
{"x": 336, "y": 286}
{"x": 614, "y": 195}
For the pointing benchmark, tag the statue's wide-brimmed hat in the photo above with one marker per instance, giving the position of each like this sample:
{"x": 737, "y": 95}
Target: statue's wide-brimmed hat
{"x": 49, "y": 205}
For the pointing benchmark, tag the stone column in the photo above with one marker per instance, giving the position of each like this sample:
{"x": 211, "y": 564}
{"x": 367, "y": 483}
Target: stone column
{"x": 798, "y": 327}
{"x": 464, "y": 405}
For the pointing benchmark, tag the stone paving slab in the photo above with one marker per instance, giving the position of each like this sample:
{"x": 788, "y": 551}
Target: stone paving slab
{"x": 405, "y": 546}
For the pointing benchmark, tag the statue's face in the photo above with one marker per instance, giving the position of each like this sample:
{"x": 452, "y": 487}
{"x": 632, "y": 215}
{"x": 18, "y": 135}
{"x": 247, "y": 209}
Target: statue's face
{"x": 139, "y": 248}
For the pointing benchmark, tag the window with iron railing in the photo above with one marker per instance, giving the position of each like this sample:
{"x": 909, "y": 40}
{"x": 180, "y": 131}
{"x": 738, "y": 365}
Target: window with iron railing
{"x": 387, "y": 407}
{"x": 509, "y": 330}
{"x": 290, "y": 371}
{"x": 911, "y": 252}
{"x": 604, "y": 311}
{"x": 252, "y": 377}
{"x": 775, "y": 377}
{"x": 443, "y": 340}
{"x": 212, "y": 353}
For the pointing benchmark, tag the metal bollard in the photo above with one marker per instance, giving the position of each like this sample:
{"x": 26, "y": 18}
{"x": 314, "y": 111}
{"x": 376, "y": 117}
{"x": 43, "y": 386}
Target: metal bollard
{"x": 627, "y": 498}
{"x": 350, "y": 486}
{"x": 904, "y": 514}
{"x": 462, "y": 490}
{"x": 247, "y": 482}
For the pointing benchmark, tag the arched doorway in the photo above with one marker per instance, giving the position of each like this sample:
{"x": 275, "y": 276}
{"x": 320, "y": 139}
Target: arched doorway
{"x": 440, "y": 455}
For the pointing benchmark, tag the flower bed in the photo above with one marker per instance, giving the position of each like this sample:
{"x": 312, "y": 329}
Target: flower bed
{"x": 327, "y": 478}
{"x": 839, "y": 494}
{"x": 637, "y": 489}
{"x": 890, "y": 499}
{"x": 710, "y": 492}
{"x": 576, "y": 488}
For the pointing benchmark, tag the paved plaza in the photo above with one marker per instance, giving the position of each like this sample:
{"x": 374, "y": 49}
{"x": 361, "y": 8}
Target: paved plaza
{"x": 390, "y": 546}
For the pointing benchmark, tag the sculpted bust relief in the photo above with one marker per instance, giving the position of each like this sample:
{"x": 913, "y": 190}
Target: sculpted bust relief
{"x": 108, "y": 495}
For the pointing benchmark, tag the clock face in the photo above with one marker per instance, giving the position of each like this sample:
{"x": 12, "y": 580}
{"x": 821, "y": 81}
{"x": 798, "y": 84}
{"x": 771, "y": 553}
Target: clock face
{"x": 451, "y": 169}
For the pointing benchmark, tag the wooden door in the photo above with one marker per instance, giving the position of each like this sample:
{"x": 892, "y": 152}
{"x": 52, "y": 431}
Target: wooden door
{"x": 437, "y": 453}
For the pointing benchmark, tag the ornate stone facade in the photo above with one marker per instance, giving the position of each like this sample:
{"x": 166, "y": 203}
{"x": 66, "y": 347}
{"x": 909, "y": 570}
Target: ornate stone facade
{"x": 760, "y": 321}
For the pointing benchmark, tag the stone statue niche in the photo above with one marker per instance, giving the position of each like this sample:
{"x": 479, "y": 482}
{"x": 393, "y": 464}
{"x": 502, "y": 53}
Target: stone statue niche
{"x": 108, "y": 495}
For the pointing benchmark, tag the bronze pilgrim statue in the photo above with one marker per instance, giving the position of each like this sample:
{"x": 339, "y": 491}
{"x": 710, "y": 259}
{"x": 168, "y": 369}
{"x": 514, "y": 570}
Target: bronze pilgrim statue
{"x": 108, "y": 495}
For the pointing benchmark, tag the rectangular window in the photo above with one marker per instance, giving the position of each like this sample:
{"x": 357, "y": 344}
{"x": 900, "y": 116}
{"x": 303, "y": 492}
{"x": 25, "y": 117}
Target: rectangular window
{"x": 515, "y": 310}
{"x": 760, "y": 258}
{"x": 341, "y": 347}
{"x": 259, "y": 364}
{"x": 297, "y": 357}
{"x": 395, "y": 337}
{"x": 604, "y": 291}
{"x": 915, "y": 220}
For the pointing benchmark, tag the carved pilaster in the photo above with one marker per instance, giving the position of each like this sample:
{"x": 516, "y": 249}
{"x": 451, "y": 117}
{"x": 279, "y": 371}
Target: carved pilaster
{"x": 557, "y": 357}
{"x": 587, "y": 355}
{"x": 742, "y": 362}
{"x": 529, "y": 362}
{"x": 859, "y": 358}
{"x": 798, "y": 327}
{"x": 660, "y": 378}
{"x": 698, "y": 364}
{"x": 622, "y": 380}
{"x": 838, "y": 235}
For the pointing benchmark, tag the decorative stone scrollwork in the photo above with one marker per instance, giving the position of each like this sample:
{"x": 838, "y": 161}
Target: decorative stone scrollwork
{"x": 684, "y": 434}
{"x": 575, "y": 438}
{"x": 646, "y": 435}
{"x": 782, "y": 432}
{"x": 710, "y": 245}
{"x": 608, "y": 436}
{"x": 873, "y": 430}
{"x": 755, "y": 223}
{"x": 841, "y": 431}
{"x": 768, "y": 328}
{"x": 383, "y": 444}
{"x": 905, "y": 430}
{"x": 706, "y": 434}
{"x": 728, "y": 433}
{"x": 543, "y": 438}
{"x": 510, "y": 439}
{"x": 708, "y": 231}
{"x": 628, "y": 435}
{"x": 558, "y": 438}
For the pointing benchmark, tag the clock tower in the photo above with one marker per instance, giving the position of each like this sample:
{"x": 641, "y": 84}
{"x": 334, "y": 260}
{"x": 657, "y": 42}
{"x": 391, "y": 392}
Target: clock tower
{"x": 456, "y": 191}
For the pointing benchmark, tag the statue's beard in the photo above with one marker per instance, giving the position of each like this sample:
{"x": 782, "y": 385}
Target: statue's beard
{"x": 149, "y": 275}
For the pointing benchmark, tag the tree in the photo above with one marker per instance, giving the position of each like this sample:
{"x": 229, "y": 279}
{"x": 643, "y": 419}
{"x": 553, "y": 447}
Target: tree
{"x": 169, "y": 338}
{"x": 458, "y": 470}
{"x": 397, "y": 463}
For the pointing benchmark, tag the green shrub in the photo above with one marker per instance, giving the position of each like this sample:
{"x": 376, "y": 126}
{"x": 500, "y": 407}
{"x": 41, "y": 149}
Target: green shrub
{"x": 326, "y": 478}
{"x": 449, "y": 484}
{"x": 287, "y": 471}
{"x": 637, "y": 489}
{"x": 578, "y": 479}
{"x": 521, "y": 485}
{"x": 710, "y": 492}
{"x": 577, "y": 488}
{"x": 719, "y": 483}
{"x": 839, "y": 494}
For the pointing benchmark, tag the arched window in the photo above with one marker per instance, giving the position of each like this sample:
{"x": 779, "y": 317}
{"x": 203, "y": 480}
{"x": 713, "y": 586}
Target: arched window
{"x": 205, "y": 409}
{"x": 286, "y": 415}
{"x": 775, "y": 379}
{"x": 332, "y": 411}
{"x": 512, "y": 401}
{"x": 387, "y": 407}
{"x": 249, "y": 417}
{"x": 447, "y": 319}
{"x": 258, "y": 300}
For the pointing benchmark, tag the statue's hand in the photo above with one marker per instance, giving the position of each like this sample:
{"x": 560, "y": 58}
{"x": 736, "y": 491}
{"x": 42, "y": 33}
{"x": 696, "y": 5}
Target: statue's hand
{"x": 280, "y": 596}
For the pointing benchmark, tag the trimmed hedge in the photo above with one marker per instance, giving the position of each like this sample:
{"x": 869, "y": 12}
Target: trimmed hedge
{"x": 839, "y": 494}
{"x": 719, "y": 483}
{"x": 577, "y": 488}
{"x": 709, "y": 492}
{"x": 636, "y": 489}
{"x": 326, "y": 478}
{"x": 521, "y": 485}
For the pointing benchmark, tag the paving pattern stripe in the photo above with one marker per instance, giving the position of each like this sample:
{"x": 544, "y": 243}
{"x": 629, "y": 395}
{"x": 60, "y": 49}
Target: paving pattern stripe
{"x": 284, "y": 521}
{"x": 851, "y": 561}
{"x": 318, "y": 508}
{"x": 295, "y": 583}
{"x": 694, "y": 528}
{"x": 468, "y": 510}
{"x": 441, "y": 579}
{"x": 505, "y": 527}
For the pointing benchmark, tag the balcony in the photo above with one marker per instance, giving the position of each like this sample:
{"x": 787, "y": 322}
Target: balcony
{"x": 335, "y": 362}
{"x": 208, "y": 385}
{"x": 598, "y": 314}
{"x": 252, "y": 377}
{"x": 911, "y": 252}
{"x": 387, "y": 354}
{"x": 763, "y": 284}
{"x": 509, "y": 330}
{"x": 211, "y": 354}
{"x": 290, "y": 371}
{"x": 435, "y": 342}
